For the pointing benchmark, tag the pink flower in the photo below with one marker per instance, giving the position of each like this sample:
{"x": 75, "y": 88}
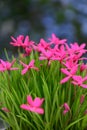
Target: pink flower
{"x": 75, "y": 51}
{"x": 83, "y": 67}
{"x": 82, "y": 99}
{"x": 27, "y": 51}
{"x": 5, "y": 109}
{"x": 66, "y": 108}
{"x": 41, "y": 45}
{"x": 27, "y": 42}
{"x": 5, "y": 65}
{"x": 78, "y": 80}
{"x": 59, "y": 53}
{"x": 33, "y": 105}
{"x": 46, "y": 55}
{"x": 75, "y": 48}
{"x": 75, "y": 57}
{"x": 28, "y": 67}
{"x": 20, "y": 42}
{"x": 69, "y": 64}
{"x": 55, "y": 40}
{"x": 78, "y": 48}
{"x": 17, "y": 42}
{"x": 69, "y": 73}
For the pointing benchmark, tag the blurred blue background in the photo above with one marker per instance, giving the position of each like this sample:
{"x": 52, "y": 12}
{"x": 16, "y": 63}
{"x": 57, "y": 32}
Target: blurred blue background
{"x": 41, "y": 18}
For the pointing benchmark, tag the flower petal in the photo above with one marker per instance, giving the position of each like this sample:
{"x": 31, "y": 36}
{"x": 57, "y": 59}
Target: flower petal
{"x": 64, "y": 112}
{"x": 35, "y": 68}
{"x": 32, "y": 109}
{"x": 42, "y": 58}
{"x": 5, "y": 109}
{"x": 84, "y": 85}
{"x": 14, "y": 68}
{"x": 23, "y": 64}
{"x": 39, "y": 110}
{"x": 65, "y": 71}
{"x": 38, "y": 102}
{"x": 85, "y": 78}
{"x": 13, "y": 62}
{"x": 25, "y": 107}
{"x": 24, "y": 71}
{"x": 30, "y": 101}
{"x": 75, "y": 83}
{"x": 31, "y": 64}
{"x": 65, "y": 80}
{"x": 74, "y": 69}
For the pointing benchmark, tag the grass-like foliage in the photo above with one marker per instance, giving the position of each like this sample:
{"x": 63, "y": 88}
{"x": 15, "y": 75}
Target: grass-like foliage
{"x": 45, "y": 87}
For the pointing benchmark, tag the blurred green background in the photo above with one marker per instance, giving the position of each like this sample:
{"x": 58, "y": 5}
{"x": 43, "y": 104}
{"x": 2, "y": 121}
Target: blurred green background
{"x": 41, "y": 18}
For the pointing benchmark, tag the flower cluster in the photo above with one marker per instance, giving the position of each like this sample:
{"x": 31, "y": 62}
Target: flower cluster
{"x": 71, "y": 71}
